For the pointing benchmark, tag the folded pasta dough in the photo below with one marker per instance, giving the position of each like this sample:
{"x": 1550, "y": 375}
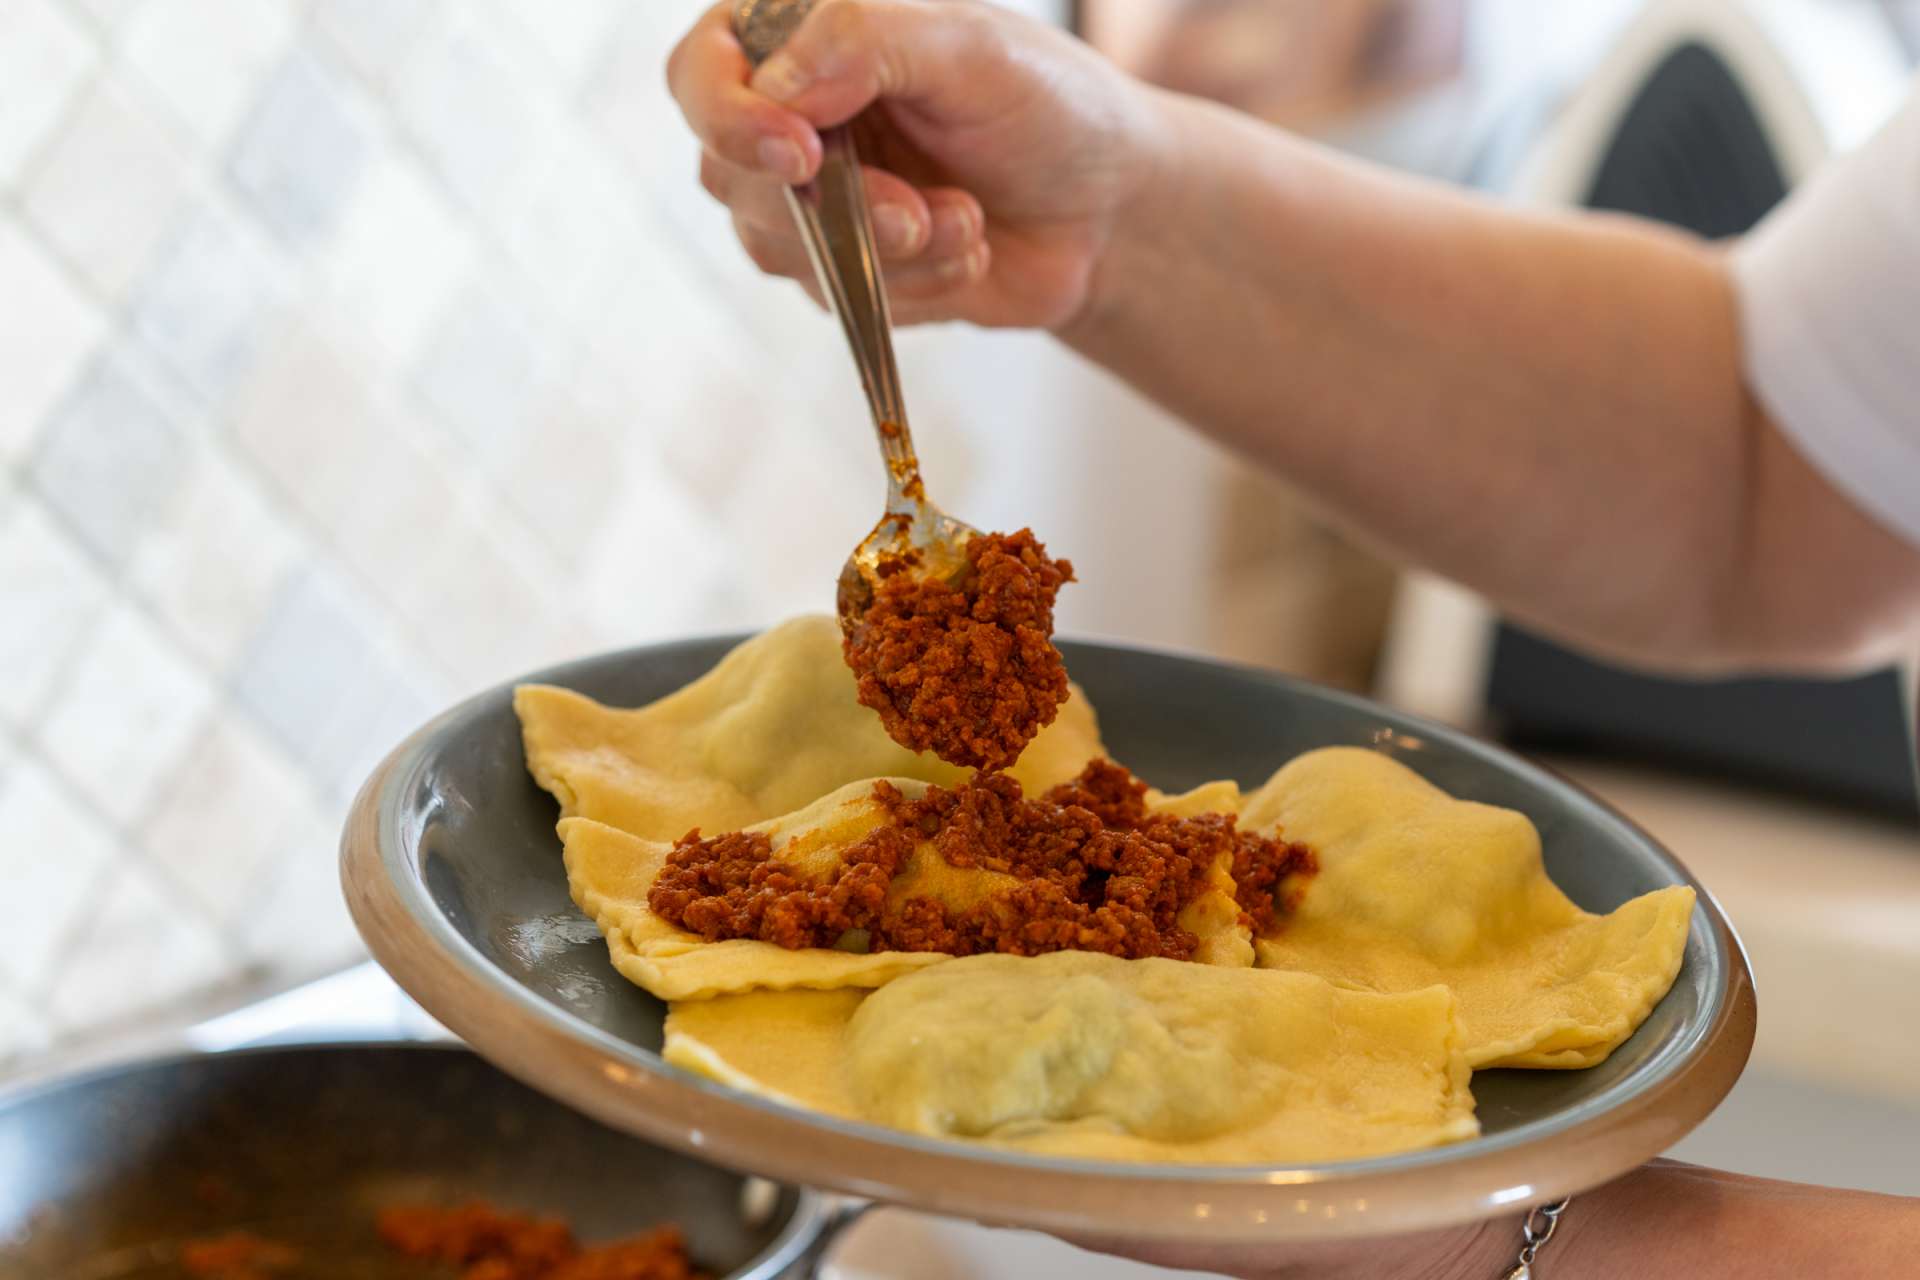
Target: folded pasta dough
{"x": 1080, "y": 1055}
{"x": 610, "y": 873}
{"x": 771, "y": 729}
{"x": 1416, "y": 887}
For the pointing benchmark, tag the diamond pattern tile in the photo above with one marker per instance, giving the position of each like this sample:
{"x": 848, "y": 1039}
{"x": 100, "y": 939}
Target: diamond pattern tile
{"x": 47, "y": 329}
{"x": 213, "y": 561}
{"x": 110, "y": 459}
{"x": 107, "y": 187}
{"x": 462, "y": 101}
{"x": 54, "y": 592}
{"x": 45, "y": 58}
{"x": 355, "y": 354}
{"x": 372, "y": 36}
{"x": 123, "y": 721}
{"x": 231, "y": 812}
{"x": 212, "y": 300}
{"x": 203, "y": 60}
{"x": 24, "y": 1031}
{"x": 53, "y": 852}
{"x": 302, "y": 152}
{"x": 136, "y": 925}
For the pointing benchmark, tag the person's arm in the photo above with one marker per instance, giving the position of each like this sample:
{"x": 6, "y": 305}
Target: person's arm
{"x": 1548, "y": 409}
{"x": 1665, "y": 1219}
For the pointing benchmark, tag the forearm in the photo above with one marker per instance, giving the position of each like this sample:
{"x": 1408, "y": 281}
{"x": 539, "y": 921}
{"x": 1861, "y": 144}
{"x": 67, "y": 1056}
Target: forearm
{"x": 1664, "y": 1219}
{"x": 1547, "y": 408}
{"x": 1678, "y": 1219}
{"x": 1668, "y": 1218}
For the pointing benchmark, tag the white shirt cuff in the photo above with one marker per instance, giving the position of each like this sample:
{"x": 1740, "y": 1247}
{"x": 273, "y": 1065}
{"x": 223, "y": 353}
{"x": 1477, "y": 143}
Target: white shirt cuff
{"x": 1829, "y": 289}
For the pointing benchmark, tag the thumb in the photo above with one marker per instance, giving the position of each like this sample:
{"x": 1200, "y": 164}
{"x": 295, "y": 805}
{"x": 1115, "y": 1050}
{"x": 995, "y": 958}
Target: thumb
{"x": 848, "y": 54}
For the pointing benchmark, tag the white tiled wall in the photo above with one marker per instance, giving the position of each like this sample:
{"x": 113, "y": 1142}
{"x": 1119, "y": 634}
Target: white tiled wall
{"x": 355, "y": 354}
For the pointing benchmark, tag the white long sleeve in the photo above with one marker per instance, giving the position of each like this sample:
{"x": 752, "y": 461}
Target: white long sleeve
{"x": 1829, "y": 289}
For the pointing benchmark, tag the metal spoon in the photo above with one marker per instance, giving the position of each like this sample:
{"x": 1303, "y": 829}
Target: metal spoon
{"x": 914, "y": 536}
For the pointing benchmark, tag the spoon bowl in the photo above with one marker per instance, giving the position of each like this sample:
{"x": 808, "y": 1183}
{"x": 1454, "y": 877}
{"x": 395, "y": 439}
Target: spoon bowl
{"x": 915, "y": 536}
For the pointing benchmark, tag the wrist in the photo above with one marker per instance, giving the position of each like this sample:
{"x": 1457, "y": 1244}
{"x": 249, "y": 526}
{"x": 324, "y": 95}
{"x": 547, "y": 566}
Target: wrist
{"x": 1142, "y": 222}
{"x": 1484, "y": 1251}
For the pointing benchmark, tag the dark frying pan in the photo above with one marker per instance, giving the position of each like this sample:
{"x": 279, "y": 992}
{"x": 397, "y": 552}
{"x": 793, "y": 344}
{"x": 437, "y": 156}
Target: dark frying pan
{"x": 101, "y": 1176}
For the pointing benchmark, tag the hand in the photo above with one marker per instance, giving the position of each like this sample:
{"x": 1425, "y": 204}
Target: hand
{"x": 999, "y": 150}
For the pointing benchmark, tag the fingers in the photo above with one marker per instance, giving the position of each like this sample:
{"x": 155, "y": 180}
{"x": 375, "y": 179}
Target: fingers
{"x": 959, "y": 225}
{"x": 707, "y": 74}
{"x": 937, "y": 289}
{"x": 908, "y": 222}
{"x": 848, "y": 53}
{"x": 758, "y": 135}
{"x": 903, "y": 223}
{"x": 919, "y": 291}
{"x": 923, "y": 276}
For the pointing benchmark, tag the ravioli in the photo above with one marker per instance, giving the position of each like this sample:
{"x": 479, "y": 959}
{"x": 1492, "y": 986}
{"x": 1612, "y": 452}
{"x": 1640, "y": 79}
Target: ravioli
{"x": 1081, "y": 1055}
{"x": 610, "y": 873}
{"x": 770, "y": 730}
{"x": 1416, "y": 888}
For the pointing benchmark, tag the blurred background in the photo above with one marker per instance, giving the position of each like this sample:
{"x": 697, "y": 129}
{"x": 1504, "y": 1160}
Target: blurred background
{"x": 358, "y": 354}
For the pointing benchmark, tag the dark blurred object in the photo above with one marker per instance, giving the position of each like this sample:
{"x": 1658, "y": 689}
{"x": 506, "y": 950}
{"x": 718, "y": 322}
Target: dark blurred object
{"x": 1300, "y": 63}
{"x": 106, "y": 1176}
{"x": 1690, "y": 150}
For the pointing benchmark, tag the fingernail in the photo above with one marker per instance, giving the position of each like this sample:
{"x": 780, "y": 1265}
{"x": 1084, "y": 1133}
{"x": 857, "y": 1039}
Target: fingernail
{"x": 964, "y": 267}
{"x": 956, "y": 222}
{"x": 783, "y": 158}
{"x": 781, "y": 78}
{"x": 898, "y": 230}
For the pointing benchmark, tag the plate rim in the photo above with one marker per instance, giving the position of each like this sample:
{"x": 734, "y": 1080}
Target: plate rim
{"x": 554, "y": 1050}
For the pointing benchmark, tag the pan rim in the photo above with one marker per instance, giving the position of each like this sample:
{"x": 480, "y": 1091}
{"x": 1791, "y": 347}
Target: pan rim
{"x": 805, "y": 1225}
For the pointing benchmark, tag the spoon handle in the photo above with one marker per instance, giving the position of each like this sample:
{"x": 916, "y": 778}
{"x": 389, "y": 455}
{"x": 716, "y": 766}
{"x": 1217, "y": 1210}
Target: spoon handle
{"x": 837, "y": 227}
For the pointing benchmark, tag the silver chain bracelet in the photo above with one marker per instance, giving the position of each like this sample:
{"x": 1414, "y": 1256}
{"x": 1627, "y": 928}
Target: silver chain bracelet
{"x": 1535, "y": 1232}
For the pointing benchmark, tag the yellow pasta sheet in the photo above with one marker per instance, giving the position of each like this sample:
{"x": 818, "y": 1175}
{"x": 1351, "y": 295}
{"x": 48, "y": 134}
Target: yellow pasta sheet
{"x": 1081, "y": 1055}
{"x": 1416, "y": 888}
{"x": 611, "y": 872}
{"x": 770, "y": 730}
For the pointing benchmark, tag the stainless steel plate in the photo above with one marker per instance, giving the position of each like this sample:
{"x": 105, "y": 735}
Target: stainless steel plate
{"x": 455, "y": 877}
